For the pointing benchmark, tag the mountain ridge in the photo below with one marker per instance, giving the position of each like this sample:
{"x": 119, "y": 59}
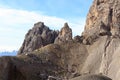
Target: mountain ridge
{"x": 8, "y": 53}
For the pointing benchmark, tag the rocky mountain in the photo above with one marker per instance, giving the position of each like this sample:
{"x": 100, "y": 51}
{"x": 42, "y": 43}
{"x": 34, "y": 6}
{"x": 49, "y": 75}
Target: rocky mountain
{"x": 55, "y": 55}
{"x": 39, "y": 36}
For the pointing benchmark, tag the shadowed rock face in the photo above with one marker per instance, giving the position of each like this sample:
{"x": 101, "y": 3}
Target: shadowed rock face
{"x": 39, "y": 36}
{"x": 9, "y": 70}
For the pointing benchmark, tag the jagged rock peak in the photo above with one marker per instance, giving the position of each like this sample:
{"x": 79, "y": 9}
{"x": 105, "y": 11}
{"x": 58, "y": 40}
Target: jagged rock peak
{"x": 39, "y": 24}
{"x": 66, "y": 25}
{"x": 40, "y": 35}
{"x": 65, "y": 34}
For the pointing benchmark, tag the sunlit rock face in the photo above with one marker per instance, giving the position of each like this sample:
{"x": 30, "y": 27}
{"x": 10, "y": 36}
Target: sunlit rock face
{"x": 65, "y": 35}
{"x": 103, "y": 19}
{"x": 102, "y": 37}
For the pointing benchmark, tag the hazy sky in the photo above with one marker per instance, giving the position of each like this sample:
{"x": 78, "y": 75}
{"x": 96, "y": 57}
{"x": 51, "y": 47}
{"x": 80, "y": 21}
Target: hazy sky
{"x": 18, "y": 16}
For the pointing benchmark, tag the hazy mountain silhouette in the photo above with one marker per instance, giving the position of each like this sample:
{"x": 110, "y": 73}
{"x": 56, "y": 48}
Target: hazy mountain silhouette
{"x": 8, "y": 53}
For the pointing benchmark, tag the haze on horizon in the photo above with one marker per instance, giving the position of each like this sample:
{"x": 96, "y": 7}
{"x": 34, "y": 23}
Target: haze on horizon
{"x": 17, "y": 17}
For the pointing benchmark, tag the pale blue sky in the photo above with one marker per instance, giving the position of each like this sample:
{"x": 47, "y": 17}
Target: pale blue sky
{"x": 18, "y": 16}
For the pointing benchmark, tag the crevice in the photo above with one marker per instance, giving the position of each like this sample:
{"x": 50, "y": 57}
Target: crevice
{"x": 100, "y": 2}
{"x": 106, "y": 45}
{"x": 105, "y": 57}
{"x": 110, "y": 15}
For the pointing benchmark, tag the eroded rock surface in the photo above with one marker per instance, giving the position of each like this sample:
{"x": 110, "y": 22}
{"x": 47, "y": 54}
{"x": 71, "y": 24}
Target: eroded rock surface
{"x": 101, "y": 35}
{"x": 103, "y": 19}
{"x": 65, "y": 35}
{"x": 39, "y": 36}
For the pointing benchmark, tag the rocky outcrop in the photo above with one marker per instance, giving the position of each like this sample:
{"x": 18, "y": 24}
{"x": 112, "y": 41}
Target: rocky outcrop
{"x": 103, "y": 19}
{"x": 65, "y": 35}
{"x": 39, "y": 36}
{"x": 78, "y": 39}
{"x": 9, "y": 70}
{"x": 101, "y": 37}
{"x": 53, "y": 61}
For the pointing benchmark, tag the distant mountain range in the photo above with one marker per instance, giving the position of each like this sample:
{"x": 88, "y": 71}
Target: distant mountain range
{"x": 8, "y": 53}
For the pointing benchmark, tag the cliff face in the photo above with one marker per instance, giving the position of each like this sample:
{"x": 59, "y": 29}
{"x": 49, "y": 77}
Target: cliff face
{"x": 103, "y": 19}
{"x": 101, "y": 35}
{"x": 47, "y": 54}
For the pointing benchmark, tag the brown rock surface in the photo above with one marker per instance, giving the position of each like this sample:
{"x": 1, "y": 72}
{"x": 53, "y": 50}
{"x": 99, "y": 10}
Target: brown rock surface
{"x": 78, "y": 39}
{"x": 101, "y": 35}
{"x": 65, "y": 35}
{"x": 56, "y": 61}
{"x": 103, "y": 19}
{"x": 39, "y": 36}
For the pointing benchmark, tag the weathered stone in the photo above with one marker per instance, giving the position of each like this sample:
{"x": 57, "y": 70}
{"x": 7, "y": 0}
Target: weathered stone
{"x": 39, "y": 36}
{"x": 9, "y": 70}
{"x": 49, "y": 62}
{"x": 103, "y": 18}
{"x": 78, "y": 39}
{"x": 65, "y": 35}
